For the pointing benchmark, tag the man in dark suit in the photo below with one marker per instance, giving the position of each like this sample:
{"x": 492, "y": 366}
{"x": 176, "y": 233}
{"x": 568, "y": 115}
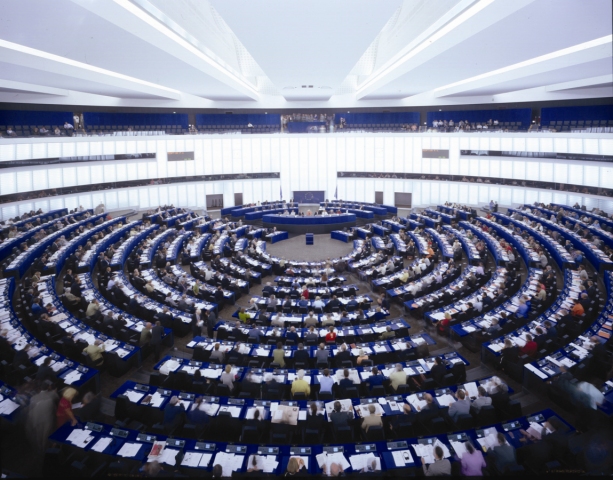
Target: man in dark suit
{"x": 219, "y": 297}
{"x": 301, "y": 355}
{"x": 268, "y": 289}
{"x": 45, "y": 372}
{"x": 156, "y": 339}
{"x": 346, "y": 382}
{"x": 339, "y": 418}
{"x": 342, "y": 355}
{"x": 165, "y": 318}
{"x": 334, "y": 303}
{"x": 438, "y": 371}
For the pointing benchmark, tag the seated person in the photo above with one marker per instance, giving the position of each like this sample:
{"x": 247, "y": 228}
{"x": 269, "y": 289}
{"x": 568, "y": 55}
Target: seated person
{"x": 331, "y": 335}
{"x": 398, "y": 377}
{"x": 376, "y": 378}
{"x": 278, "y": 355}
{"x": 460, "y": 407}
{"x": 326, "y": 382}
{"x": 299, "y": 385}
{"x": 301, "y": 355}
{"x": 371, "y": 420}
{"x": 346, "y": 382}
{"x": 441, "y": 465}
{"x": 483, "y": 400}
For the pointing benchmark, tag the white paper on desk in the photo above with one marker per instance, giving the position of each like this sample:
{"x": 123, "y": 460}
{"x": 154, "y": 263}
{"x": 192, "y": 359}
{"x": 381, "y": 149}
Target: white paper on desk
{"x": 379, "y": 349}
{"x": 191, "y": 345}
{"x": 169, "y": 366}
{"x": 496, "y": 347}
{"x": 205, "y": 460}
{"x": 211, "y": 372}
{"x": 121, "y": 352}
{"x": 72, "y": 377}
{"x": 536, "y": 371}
{"x": 210, "y": 409}
{"x": 472, "y": 389}
{"x": 251, "y": 412}
{"x": 365, "y": 461}
{"x": 262, "y": 352}
{"x": 425, "y": 452}
{"x": 100, "y": 445}
{"x": 189, "y": 369}
{"x": 168, "y": 456}
{"x": 459, "y": 448}
{"x": 8, "y": 406}
{"x": 445, "y": 400}
{"x": 191, "y": 459}
{"x": 80, "y": 437}
{"x": 402, "y": 457}
{"x": 490, "y": 439}
{"x": 133, "y": 396}
{"x": 57, "y": 366}
{"x": 416, "y": 402}
{"x": 267, "y": 463}
{"x": 234, "y": 411}
{"x": 229, "y": 462}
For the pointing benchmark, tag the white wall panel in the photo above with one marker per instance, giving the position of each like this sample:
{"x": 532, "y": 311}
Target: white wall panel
{"x": 24, "y": 151}
{"x": 311, "y": 164}
{"x": 575, "y": 174}
{"x": 575, "y": 145}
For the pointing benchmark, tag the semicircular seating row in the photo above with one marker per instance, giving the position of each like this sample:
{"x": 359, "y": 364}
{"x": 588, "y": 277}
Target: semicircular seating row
{"x": 280, "y": 435}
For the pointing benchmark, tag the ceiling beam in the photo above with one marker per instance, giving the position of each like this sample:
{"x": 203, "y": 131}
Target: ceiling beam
{"x": 464, "y": 21}
{"x": 576, "y": 55}
{"x": 17, "y": 54}
{"x": 31, "y": 88}
{"x": 135, "y": 20}
{"x": 584, "y": 82}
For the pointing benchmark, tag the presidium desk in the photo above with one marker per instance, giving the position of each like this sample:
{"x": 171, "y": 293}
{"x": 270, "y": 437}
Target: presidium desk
{"x": 314, "y": 224}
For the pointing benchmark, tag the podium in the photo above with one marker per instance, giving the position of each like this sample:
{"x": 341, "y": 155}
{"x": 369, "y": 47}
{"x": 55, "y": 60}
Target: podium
{"x": 309, "y": 239}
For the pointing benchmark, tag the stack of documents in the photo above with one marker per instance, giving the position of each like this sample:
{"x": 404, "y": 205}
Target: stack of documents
{"x": 229, "y": 462}
{"x": 80, "y": 437}
{"x": 402, "y": 457}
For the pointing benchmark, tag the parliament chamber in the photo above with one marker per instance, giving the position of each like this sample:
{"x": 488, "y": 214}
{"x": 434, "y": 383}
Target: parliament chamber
{"x": 234, "y": 246}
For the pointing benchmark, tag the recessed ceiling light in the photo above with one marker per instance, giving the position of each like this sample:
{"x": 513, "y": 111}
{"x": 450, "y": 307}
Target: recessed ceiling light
{"x": 174, "y": 112}
{"x": 348, "y": 111}
{"x": 439, "y": 110}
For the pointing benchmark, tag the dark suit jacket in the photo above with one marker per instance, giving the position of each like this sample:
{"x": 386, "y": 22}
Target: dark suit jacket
{"x": 339, "y": 419}
{"x": 156, "y": 335}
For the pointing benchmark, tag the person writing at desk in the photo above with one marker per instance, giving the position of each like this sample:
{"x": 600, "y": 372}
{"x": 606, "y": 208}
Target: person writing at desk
{"x": 217, "y": 355}
{"x": 95, "y": 352}
{"x": 472, "y": 461}
{"x": 372, "y": 420}
{"x": 299, "y": 385}
{"x": 441, "y": 465}
{"x": 295, "y": 466}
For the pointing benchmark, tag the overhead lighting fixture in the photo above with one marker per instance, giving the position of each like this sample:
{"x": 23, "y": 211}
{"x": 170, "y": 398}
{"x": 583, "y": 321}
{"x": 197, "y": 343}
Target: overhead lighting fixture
{"x": 160, "y": 27}
{"x": 453, "y": 24}
{"x": 543, "y": 58}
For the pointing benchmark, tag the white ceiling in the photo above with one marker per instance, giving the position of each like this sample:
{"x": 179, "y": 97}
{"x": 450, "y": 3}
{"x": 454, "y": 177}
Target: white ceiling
{"x": 355, "y": 53}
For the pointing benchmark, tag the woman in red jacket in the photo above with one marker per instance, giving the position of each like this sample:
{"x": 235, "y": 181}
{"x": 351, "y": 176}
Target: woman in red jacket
{"x": 331, "y": 335}
{"x": 530, "y": 347}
